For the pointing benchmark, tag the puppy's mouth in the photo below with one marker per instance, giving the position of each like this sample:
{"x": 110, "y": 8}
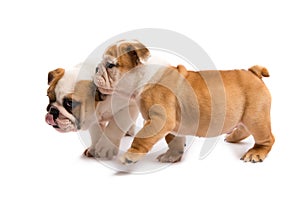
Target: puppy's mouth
{"x": 60, "y": 123}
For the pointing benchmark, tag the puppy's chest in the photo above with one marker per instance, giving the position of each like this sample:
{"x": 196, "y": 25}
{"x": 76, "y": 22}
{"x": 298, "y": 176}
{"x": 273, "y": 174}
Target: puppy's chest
{"x": 104, "y": 111}
{"x": 105, "y": 116}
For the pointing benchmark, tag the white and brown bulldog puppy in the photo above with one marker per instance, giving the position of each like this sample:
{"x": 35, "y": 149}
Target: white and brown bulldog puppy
{"x": 77, "y": 105}
{"x": 175, "y": 101}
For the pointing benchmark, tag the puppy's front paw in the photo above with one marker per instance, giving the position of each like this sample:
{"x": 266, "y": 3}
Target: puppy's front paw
{"x": 106, "y": 150}
{"x": 89, "y": 152}
{"x": 171, "y": 156}
{"x": 130, "y": 158}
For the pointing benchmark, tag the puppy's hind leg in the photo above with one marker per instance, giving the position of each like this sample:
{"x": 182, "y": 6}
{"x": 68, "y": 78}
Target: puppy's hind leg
{"x": 176, "y": 149}
{"x": 260, "y": 128}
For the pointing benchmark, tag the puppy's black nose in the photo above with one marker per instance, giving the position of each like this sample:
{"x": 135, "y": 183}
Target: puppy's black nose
{"x": 97, "y": 69}
{"x": 55, "y": 112}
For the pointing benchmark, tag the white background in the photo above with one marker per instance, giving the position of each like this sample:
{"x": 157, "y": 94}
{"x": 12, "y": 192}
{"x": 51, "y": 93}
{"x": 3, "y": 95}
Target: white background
{"x": 38, "y": 36}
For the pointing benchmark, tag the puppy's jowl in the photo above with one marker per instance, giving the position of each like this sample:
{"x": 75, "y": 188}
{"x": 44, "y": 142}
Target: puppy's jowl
{"x": 175, "y": 102}
{"x": 77, "y": 105}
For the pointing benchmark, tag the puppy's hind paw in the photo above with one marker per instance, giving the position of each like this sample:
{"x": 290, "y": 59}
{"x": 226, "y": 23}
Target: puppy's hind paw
{"x": 256, "y": 154}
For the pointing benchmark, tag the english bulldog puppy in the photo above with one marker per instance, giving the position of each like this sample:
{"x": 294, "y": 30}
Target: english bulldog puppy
{"x": 76, "y": 105}
{"x": 175, "y": 102}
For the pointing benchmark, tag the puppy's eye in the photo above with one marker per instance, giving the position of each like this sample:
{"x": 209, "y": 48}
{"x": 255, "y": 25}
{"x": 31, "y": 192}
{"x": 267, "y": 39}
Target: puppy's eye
{"x": 69, "y": 104}
{"x": 110, "y": 65}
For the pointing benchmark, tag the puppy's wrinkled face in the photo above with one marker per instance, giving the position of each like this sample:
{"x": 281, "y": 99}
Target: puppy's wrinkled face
{"x": 71, "y": 103}
{"x": 117, "y": 60}
{"x": 59, "y": 110}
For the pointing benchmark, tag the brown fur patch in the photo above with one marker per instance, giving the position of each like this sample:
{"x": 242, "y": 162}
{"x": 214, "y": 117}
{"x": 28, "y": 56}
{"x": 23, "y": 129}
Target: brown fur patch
{"x": 53, "y": 77}
{"x": 130, "y": 54}
{"x": 112, "y": 51}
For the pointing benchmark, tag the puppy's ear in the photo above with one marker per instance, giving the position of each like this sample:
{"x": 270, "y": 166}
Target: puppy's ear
{"x": 55, "y": 75}
{"x": 141, "y": 50}
{"x": 136, "y": 50}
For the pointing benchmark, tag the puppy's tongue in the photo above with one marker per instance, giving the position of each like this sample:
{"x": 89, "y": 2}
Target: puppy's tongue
{"x": 50, "y": 120}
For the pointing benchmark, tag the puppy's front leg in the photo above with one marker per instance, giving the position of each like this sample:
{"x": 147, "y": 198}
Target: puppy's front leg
{"x": 156, "y": 127}
{"x": 108, "y": 145}
{"x": 95, "y": 131}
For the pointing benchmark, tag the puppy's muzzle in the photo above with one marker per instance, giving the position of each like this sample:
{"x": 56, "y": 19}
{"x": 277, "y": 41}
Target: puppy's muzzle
{"x": 54, "y": 112}
{"x": 52, "y": 115}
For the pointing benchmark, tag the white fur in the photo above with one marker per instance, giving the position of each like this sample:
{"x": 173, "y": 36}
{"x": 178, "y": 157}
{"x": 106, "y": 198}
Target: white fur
{"x": 67, "y": 83}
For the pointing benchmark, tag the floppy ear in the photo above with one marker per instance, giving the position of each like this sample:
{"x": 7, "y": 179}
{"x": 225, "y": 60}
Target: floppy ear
{"x": 55, "y": 75}
{"x": 136, "y": 50}
{"x": 142, "y": 52}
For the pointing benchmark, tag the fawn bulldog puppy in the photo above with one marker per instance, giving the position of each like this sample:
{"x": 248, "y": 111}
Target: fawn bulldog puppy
{"x": 175, "y": 102}
{"x": 77, "y": 105}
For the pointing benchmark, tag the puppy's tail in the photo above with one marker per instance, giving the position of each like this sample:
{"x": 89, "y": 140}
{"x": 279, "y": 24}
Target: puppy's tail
{"x": 259, "y": 71}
